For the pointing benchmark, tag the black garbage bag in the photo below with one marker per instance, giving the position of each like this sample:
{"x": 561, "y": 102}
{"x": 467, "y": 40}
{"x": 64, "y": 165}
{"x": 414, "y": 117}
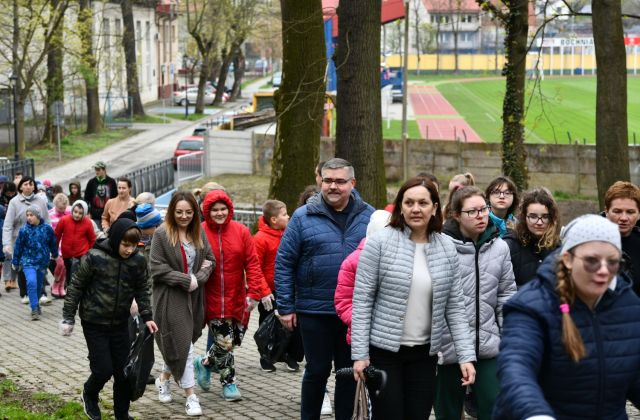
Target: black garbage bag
{"x": 140, "y": 360}
{"x": 272, "y": 339}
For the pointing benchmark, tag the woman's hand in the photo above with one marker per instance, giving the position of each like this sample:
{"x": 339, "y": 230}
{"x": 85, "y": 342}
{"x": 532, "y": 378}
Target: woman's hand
{"x": 468, "y": 373}
{"x": 358, "y": 369}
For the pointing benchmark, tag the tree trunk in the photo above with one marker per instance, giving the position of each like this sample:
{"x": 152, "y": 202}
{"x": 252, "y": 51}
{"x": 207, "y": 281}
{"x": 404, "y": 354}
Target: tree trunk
{"x": 224, "y": 70}
{"x": 612, "y": 145}
{"x": 88, "y": 67}
{"x": 299, "y": 101}
{"x": 359, "y": 122}
{"x": 129, "y": 45}
{"x": 238, "y": 75}
{"x": 202, "y": 82}
{"x": 514, "y": 155}
{"x": 54, "y": 81}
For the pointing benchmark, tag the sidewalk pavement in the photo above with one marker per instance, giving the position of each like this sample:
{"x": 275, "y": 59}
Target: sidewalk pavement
{"x": 37, "y": 357}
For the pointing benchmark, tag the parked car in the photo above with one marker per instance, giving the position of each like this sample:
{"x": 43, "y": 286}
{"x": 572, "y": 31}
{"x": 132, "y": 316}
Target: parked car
{"x": 179, "y": 98}
{"x": 199, "y": 131}
{"x": 185, "y": 146}
{"x": 276, "y": 79}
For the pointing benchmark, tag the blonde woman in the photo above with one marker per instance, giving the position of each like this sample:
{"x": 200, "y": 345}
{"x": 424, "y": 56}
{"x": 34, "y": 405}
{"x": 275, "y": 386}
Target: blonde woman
{"x": 571, "y": 335}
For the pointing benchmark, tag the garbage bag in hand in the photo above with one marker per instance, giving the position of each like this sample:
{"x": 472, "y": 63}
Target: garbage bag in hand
{"x": 140, "y": 360}
{"x": 272, "y": 339}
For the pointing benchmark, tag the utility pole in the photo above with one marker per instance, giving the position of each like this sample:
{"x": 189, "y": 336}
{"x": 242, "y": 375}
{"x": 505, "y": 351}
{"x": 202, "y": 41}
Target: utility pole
{"x": 405, "y": 88}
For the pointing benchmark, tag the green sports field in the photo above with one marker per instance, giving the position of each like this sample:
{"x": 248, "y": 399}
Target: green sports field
{"x": 557, "y": 106}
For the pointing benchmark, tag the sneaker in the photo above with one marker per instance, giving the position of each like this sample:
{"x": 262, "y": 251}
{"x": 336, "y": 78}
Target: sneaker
{"x": 35, "y": 315}
{"x": 292, "y": 365}
{"x": 39, "y": 310}
{"x": 267, "y": 366}
{"x": 44, "y": 300}
{"x": 91, "y": 407}
{"x": 192, "y": 407}
{"x": 326, "y": 405}
{"x": 230, "y": 392}
{"x": 164, "y": 390}
{"x": 25, "y": 300}
{"x": 203, "y": 373}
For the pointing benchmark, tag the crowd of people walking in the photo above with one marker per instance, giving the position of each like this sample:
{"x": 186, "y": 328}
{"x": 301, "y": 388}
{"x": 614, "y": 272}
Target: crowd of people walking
{"x": 484, "y": 304}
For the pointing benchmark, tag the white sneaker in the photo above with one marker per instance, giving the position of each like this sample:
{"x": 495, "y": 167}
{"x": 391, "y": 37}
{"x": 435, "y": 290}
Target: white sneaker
{"x": 192, "y": 407}
{"x": 164, "y": 390}
{"x": 326, "y": 405}
{"x": 44, "y": 300}
{"x": 25, "y": 300}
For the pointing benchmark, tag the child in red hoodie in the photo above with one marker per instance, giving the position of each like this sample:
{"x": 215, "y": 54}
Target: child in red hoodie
{"x": 271, "y": 227}
{"x": 76, "y": 235}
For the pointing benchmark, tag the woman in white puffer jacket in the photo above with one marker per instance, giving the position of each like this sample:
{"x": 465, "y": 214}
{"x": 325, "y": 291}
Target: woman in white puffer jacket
{"x": 487, "y": 283}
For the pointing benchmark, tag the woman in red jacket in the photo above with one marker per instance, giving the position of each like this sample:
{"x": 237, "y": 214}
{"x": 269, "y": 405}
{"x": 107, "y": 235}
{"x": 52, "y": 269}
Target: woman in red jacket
{"x": 227, "y": 300}
{"x": 75, "y": 232}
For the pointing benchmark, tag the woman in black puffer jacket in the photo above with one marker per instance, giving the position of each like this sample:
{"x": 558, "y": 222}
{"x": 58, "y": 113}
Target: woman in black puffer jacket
{"x": 536, "y": 235}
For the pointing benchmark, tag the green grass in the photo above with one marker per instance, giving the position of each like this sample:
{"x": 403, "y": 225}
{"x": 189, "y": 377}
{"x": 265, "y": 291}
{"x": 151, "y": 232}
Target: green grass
{"x": 247, "y": 81}
{"x": 395, "y": 131}
{"x": 16, "y": 403}
{"x": 78, "y": 144}
{"x": 558, "y": 106}
{"x": 191, "y": 117}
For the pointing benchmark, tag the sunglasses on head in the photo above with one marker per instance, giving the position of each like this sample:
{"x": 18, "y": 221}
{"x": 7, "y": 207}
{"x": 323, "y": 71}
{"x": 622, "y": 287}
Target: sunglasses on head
{"x": 593, "y": 264}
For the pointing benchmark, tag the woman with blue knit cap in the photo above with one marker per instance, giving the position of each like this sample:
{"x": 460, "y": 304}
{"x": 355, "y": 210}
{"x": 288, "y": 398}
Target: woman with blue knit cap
{"x": 571, "y": 338}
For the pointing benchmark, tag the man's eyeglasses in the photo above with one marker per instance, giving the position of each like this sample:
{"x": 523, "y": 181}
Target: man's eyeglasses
{"x": 534, "y": 218}
{"x": 337, "y": 181}
{"x": 593, "y": 264}
{"x": 498, "y": 193}
{"x": 475, "y": 212}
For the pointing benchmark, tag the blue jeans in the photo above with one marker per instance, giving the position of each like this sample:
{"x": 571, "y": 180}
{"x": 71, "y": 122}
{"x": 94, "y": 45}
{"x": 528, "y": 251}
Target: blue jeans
{"x": 324, "y": 341}
{"x": 35, "y": 281}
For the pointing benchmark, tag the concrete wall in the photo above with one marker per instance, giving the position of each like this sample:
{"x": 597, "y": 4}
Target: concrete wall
{"x": 567, "y": 168}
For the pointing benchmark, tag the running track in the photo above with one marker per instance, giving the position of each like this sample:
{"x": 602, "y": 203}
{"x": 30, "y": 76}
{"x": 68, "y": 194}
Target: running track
{"x": 436, "y": 118}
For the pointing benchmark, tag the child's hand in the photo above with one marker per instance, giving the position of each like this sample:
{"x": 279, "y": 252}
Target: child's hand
{"x": 152, "y": 326}
{"x": 251, "y": 304}
{"x": 66, "y": 327}
{"x": 267, "y": 302}
{"x": 194, "y": 283}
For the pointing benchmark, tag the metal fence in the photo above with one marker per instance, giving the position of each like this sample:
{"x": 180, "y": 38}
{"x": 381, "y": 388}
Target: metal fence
{"x": 189, "y": 166}
{"x": 157, "y": 178}
{"x": 247, "y": 216}
{"x": 11, "y": 167}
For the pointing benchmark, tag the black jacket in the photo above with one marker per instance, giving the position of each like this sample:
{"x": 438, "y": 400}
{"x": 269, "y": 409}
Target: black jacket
{"x": 97, "y": 193}
{"x": 525, "y": 259}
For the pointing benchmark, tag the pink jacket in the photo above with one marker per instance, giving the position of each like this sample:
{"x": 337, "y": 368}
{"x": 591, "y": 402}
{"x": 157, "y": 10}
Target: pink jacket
{"x": 343, "y": 298}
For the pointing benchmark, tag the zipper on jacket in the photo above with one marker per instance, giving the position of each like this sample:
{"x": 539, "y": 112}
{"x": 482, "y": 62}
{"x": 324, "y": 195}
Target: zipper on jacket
{"x": 477, "y": 302}
{"x": 115, "y": 305}
{"x": 601, "y": 367}
{"x": 221, "y": 269}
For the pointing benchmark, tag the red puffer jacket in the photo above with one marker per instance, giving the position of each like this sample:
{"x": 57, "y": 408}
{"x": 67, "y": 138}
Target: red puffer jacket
{"x": 267, "y": 241}
{"x": 236, "y": 259}
{"x": 77, "y": 238}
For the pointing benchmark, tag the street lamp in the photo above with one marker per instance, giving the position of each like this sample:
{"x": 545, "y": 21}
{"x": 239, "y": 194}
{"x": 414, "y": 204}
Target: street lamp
{"x": 13, "y": 79}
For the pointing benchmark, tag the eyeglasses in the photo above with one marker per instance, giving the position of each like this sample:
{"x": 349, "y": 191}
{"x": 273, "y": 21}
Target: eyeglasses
{"x": 475, "y": 212}
{"x": 498, "y": 193}
{"x": 337, "y": 181}
{"x": 535, "y": 218}
{"x": 593, "y": 264}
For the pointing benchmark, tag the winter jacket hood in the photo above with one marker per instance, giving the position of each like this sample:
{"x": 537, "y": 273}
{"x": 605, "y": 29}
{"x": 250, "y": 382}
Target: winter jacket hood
{"x": 83, "y": 204}
{"x": 536, "y": 375}
{"x": 211, "y": 198}
{"x": 111, "y": 245}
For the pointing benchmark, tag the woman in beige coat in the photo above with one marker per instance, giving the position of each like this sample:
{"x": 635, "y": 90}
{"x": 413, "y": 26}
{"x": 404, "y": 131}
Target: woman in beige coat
{"x": 181, "y": 261}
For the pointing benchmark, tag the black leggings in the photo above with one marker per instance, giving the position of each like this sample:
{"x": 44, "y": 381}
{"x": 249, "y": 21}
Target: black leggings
{"x": 411, "y": 383}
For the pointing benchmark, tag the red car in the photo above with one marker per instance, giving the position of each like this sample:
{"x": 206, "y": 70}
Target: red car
{"x": 185, "y": 146}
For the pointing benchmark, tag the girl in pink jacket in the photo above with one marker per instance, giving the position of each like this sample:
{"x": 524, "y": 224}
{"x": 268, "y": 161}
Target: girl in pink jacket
{"x": 343, "y": 298}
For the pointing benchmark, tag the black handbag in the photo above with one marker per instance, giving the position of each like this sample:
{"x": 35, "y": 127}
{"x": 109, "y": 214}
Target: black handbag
{"x": 272, "y": 339}
{"x": 140, "y": 360}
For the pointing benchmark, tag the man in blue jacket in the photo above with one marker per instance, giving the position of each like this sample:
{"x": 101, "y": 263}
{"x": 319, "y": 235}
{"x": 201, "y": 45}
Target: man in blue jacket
{"x": 318, "y": 238}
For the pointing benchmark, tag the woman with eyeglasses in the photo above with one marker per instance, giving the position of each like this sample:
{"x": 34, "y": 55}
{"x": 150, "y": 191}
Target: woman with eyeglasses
{"x": 487, "y": 283}
{"x": 536, "y": 236}
{"x": 503, "y": 198}
{"x": 571, "y": 335}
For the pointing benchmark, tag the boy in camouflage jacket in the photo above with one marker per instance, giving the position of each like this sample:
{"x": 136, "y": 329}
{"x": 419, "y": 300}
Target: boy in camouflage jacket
{"x": 109, "y": 277}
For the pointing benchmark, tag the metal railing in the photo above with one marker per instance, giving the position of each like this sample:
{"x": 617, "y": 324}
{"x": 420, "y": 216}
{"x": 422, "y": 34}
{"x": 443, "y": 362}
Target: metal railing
{"x": 157, "y": 178}
{"x": 11, "y": 167}
{"x": 189, "y": 166}
{"x": 247, "y": 216}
